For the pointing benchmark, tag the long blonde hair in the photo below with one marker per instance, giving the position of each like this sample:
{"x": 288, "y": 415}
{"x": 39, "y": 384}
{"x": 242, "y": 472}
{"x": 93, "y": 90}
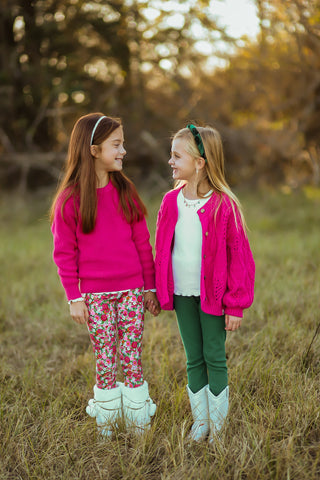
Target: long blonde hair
{"x": 214, "y": 167}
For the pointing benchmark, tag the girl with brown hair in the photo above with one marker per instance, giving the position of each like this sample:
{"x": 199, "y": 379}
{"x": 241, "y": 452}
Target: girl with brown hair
{"x": 105, "y": 263}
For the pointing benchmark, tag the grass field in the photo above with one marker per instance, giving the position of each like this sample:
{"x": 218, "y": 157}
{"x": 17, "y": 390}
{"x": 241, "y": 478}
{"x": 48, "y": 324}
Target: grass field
{"x": 47, "y": 366}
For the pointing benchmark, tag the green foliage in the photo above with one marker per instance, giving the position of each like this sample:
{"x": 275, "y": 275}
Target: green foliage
{"x": 47, "y": 365}
{"x": 144, "y": 62}
{"x": 70, "y": 57}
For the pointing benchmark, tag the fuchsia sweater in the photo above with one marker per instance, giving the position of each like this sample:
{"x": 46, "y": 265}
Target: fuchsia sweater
{"x": 115, "y": 256}
{"x": 227, "y": 267}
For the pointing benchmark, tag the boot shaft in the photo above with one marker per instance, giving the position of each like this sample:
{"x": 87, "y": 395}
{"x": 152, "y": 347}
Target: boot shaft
{"x": 138, "y": 407}
{"x": 218, "y": 409}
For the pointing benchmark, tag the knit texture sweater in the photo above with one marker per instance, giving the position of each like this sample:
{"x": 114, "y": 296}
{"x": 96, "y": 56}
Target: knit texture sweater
{"x": 115, "y": 256}
{"x": 227, "y": 265}
{"x": 187, "y": 244}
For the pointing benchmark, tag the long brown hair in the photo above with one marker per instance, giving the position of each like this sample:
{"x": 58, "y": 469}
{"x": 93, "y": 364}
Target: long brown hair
{"x": 79, "y": 179}
{"x": 214, "y": 168}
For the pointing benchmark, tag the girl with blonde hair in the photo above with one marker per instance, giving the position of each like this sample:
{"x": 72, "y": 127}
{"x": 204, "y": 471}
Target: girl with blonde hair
{"x": 204, "y": 269}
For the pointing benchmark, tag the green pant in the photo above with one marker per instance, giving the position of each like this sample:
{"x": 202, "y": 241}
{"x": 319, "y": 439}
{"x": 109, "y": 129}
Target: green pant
{"x": 203, "y": 337}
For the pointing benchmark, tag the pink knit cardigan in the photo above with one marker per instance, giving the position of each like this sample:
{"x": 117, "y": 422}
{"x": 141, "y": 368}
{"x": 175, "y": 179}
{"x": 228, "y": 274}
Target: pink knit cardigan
{"x": 227, "y": 267}
{"x": 115, "y": 256}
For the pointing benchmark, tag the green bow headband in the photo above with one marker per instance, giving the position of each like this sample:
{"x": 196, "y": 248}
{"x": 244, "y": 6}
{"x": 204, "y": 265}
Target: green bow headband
{"x": 198, "y": 140}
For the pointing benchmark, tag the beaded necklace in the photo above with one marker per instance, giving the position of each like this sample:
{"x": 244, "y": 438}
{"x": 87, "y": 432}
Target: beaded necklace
{"x": 194, "y": 203}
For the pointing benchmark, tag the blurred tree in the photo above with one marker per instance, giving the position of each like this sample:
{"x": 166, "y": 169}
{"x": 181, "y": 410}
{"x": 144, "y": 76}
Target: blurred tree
{"x": 149, "y": 63}
{"x": 63, "y": 58}
{"x": 270, "y": 95}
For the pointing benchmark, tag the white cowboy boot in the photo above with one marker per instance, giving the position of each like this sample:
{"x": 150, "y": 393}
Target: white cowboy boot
{"x": 105, "y": 407}
{"x": 137, "y": 407}
{"x": 218, "y": 411}
{"x": 200, "y": 413}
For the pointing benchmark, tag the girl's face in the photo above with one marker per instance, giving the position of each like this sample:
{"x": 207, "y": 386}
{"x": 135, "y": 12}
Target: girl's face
{"x": 109, "y": 154}
{"x": 182, "y": 163}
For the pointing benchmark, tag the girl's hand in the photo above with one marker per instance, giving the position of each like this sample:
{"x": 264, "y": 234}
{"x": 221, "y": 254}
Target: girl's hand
{"x": 79, "y": 312}
{"x": 153, "y": 308}
{"x": 232, "y": 323}
{"x": 151, "y": 303}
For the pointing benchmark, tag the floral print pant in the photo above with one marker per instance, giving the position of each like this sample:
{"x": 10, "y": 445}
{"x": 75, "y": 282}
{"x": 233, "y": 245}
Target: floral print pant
{"x": 112, "y": 315}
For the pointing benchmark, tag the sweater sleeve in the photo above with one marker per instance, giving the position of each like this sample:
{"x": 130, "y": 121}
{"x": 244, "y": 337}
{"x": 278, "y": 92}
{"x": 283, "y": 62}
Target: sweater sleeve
{"x": 141, "y": 238}
{"x": 65, "y": 248}
{"x": 240, "y": 268}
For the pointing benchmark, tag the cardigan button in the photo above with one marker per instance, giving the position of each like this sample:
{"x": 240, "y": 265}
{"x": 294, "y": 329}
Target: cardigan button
{"x": 202, "y": 210}
{"x": 204, "y": 256}
{"x": 206, "y": 234}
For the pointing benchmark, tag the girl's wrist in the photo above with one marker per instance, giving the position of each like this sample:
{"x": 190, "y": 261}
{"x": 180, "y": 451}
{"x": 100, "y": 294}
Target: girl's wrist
{"x": 74, "y": 300}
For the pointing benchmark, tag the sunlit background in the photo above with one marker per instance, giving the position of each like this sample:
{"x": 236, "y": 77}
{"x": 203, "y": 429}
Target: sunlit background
{"x": 248, "y": 67}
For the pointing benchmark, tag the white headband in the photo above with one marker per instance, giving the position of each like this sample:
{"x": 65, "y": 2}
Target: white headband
{"x": 95, "y": 128}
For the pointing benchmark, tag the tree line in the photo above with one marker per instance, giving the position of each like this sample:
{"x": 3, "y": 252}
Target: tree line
{"x": 143, "y": 61}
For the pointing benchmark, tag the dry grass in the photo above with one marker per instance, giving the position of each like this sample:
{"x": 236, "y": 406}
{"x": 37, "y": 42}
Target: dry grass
{"x": 47, "y": 367}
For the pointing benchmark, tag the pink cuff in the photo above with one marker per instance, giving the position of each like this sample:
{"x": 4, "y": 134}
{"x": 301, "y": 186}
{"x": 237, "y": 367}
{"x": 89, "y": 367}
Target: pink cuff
{"x": 235, "y": 312}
